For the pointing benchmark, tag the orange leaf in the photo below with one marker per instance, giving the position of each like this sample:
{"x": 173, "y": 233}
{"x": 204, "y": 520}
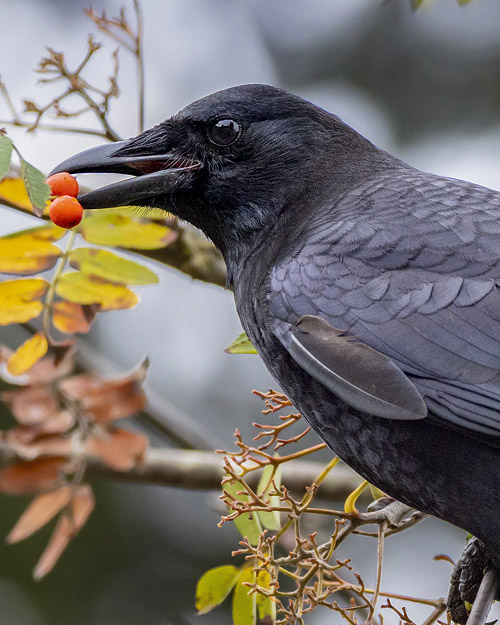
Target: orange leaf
{"x": 31, "y": 405}
{"x": 28, "y": 354}
{"x": 120, "y": 449}
{"x": 40, "y": 511}
{"x": 57, "y": 544}
{"x": 69, "y": 317}
{"x": 32, "y": 476}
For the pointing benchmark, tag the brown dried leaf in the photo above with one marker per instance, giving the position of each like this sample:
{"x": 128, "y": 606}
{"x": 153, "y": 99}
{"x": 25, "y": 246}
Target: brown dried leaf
{"x": 82, "y": 504}
{"x": 120, "y": 449}
{"x": 32, "y": 476}
{"x": 40, "y": 511}
{"x": 58, "y": 423}
{"x": 58, "y": 542}
{"x": 69, "y": 524}
{"x": 49, "y": 445}
{"x": 31, "y": 405}
{"x": 106, "y": 400}
{"x": 69, "y": 317}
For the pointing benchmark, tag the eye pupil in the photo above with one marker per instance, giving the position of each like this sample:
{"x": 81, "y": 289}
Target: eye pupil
{"x": 224, "y": 132}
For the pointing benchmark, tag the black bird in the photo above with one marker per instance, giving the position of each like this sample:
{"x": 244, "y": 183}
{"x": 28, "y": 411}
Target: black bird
{"x": 369, "y": 288}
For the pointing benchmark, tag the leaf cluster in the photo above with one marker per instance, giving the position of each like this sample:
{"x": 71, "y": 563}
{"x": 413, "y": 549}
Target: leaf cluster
{"x": 63, "y": 419}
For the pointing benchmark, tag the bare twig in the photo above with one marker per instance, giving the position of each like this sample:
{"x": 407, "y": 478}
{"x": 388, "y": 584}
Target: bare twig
{"x": 487, "y": 593}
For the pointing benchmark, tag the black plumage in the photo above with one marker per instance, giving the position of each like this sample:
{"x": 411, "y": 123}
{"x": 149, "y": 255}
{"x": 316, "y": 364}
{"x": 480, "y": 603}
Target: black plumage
{"x": 401, "y": 267}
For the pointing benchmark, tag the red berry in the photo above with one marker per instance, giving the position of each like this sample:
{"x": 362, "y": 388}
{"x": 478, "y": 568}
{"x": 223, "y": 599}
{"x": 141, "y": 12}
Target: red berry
{"x": 66, "y": 211}
{"x": 63, "y": 184}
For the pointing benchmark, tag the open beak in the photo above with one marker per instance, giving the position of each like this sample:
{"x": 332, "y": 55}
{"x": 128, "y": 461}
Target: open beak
{"x": 155, "y": 174}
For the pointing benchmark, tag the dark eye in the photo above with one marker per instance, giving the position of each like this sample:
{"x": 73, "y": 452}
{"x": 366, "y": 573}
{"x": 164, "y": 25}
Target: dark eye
{"x": 224, "y": 132}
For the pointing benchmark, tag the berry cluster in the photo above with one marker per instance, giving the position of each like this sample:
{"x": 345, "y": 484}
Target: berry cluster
{"x": 65, "y": 210}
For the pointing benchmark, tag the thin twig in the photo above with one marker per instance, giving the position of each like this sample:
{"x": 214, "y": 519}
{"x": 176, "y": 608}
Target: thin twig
{"x": 140, "y": 63}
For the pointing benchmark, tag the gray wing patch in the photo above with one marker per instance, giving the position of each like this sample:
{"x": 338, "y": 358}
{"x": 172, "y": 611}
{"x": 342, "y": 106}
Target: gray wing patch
{"x": 359, "y": 375}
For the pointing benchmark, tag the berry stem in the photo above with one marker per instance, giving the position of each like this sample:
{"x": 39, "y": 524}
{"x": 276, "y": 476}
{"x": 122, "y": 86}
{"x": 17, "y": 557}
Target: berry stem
{"x": 49, "y": 299}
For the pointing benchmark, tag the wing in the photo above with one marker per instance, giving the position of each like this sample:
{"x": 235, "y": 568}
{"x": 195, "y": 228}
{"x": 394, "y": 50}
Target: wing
{"x": 358, "y": 374}
{"x": 410, "y": 266}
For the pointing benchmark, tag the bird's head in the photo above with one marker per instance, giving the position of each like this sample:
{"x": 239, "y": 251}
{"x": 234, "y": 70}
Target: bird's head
{"x": 229, "y": 163}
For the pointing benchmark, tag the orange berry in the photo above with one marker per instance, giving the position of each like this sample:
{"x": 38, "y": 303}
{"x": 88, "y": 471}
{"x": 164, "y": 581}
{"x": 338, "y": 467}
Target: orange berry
{"x": 66, "y": 211}
{"x": 63, "y": 184}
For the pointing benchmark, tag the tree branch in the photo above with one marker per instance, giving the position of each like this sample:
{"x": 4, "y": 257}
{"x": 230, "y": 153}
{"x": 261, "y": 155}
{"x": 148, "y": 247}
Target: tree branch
{"x": 202, "y": 470}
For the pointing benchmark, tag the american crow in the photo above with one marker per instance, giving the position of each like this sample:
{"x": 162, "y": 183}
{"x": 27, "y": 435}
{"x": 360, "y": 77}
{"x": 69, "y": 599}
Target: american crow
{"x": 369, "y": 288}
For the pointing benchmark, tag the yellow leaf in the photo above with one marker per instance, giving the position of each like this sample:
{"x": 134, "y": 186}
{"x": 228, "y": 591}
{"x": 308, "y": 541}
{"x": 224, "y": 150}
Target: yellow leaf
{"x": 241, "y": 345}
{"x": 266, "y": 607}
{"x": 82, "y": 289}
{"x": 214, "y": 586}
{"x": 47, "y": 232}
{"x": 122, "y": 231}
{"x": 244, "y": 605}
{"x": 13, "y": 193}
{"x": 28, "y": 354}
{"x": 19, "y": 299}
{"x": 109, "y": 266}
{"x": 28, "y": 252}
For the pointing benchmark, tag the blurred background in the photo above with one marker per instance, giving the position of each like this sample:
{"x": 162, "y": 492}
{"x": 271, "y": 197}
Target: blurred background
{"x": 423, "y": 85}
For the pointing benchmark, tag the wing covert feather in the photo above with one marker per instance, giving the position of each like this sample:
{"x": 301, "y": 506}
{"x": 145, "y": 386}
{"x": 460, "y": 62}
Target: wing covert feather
{"x": 410, "y": 266}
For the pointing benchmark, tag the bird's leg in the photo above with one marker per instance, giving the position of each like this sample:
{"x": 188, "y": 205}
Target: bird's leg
{"x": 385, "y": 509}
{"x": 475, "y": 580}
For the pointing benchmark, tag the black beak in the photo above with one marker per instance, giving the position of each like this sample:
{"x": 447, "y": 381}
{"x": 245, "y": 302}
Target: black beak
{"x": 156, "y": 174}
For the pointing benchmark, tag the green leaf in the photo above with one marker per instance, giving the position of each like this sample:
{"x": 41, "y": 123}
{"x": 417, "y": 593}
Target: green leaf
{"x": 110, "y": 266}
{"x": 270, "y": 520}
{"x": 241, "y": 345}
{"x": 81, "y": 289}
{"x": 244, "y": 605}
{"x": 214, "y": 586}
{"x": 463, "y": 2}
{"x": 5, "y": 155}
{"x": 248, "y": 525}
{"x": 118, "y": 230}
{"x": 34, "y": 181}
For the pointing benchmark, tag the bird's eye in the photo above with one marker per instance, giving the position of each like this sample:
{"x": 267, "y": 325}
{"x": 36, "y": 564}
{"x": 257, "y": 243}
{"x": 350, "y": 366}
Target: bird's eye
{"x": 224, "y": 132}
